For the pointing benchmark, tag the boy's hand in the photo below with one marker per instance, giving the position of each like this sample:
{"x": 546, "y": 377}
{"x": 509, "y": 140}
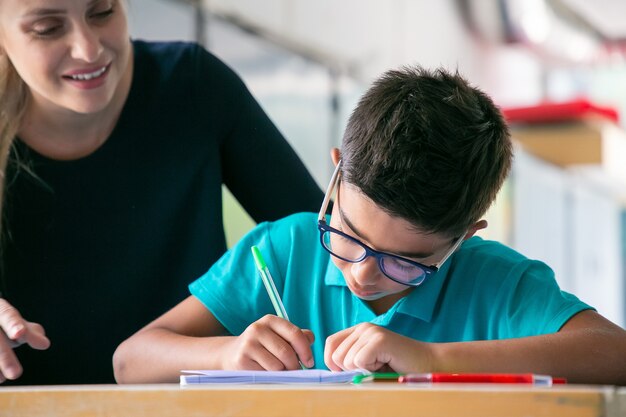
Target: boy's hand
{"x": 374, "y": 348}
{"x": 270, "y": 343}
{"x": 15, "y": 331}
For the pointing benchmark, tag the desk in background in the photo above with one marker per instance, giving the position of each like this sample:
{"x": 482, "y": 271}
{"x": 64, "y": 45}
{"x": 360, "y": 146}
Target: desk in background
{"x": 375, "y": 399}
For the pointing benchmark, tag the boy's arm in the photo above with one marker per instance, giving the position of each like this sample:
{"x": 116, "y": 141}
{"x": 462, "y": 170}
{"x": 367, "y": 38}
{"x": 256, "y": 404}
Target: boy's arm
{"x": 190, "y": 337}
{"x": 170, "y": 343}
{"x": 588, "y": 349}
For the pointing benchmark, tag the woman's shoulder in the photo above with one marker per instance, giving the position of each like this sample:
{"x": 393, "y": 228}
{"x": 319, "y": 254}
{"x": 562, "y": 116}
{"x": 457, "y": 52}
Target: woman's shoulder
{"x": 165, "y": 48}
{"x": 172, "y": 54}
{"x": 186, "y": 63}
{"x": 298, "y": 224}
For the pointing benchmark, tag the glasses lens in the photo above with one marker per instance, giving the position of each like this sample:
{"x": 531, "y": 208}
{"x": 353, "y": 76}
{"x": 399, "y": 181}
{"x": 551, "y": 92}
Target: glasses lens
{"x": 402, "y": 271}
{"x": 343, "y": 247}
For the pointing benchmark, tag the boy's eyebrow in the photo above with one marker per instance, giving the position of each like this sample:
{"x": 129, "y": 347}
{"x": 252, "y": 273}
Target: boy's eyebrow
{"x": 417, "y": 255}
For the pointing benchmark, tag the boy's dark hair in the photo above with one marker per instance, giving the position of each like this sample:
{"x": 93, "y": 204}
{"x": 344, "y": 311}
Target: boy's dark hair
{"x": 427, "y": 147}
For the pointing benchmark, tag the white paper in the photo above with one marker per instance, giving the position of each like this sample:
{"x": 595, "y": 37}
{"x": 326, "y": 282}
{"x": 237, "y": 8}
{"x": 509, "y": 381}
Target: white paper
{"x": 306, "y": 376}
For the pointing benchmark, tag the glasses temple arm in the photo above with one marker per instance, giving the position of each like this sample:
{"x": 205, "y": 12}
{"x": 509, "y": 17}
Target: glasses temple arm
{"x": 331, "y": 186}
{"x": 451, "y": 251}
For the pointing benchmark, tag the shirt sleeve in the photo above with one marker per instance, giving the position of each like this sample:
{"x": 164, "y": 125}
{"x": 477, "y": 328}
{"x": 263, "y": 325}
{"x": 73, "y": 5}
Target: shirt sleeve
{"x": 258, "y": 165}
{"x": 534, "y": 304}
{"x": 232, "y": 288}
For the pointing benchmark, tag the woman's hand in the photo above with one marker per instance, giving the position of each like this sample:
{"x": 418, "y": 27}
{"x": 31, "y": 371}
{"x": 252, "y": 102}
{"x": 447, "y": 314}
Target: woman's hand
{"x": 15, "y": 331}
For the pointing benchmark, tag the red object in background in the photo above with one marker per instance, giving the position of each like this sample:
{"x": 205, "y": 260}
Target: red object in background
{"x": 554, "y": 112}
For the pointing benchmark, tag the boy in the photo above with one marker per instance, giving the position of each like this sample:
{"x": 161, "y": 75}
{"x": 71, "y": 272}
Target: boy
{"x": 393, "y": 279}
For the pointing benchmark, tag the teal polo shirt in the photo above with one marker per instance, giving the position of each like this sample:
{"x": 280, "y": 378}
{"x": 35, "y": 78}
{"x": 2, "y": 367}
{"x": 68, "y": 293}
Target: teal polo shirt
{"x": 484, "y": 291}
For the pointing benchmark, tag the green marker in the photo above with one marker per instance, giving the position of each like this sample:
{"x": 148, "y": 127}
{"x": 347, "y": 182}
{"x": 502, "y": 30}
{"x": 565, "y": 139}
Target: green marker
{"x": 376, "y": 376}
{"x": 268, "y": 281}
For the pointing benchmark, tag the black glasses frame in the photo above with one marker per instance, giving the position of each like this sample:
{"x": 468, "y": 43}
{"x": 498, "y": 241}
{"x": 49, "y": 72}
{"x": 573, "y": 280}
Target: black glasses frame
{"x": 323, "y": 227}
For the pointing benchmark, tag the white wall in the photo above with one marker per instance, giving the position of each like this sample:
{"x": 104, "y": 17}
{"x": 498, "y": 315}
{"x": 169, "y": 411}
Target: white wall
{"x": 575, "y": 222}
{"x": 377, "y": 35}
{"x": 160, "y": 20}
{"x": 368, "y": 36}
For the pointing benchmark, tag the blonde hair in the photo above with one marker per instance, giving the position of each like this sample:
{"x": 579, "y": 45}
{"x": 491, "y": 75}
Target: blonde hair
{"x": 13, "y": 98}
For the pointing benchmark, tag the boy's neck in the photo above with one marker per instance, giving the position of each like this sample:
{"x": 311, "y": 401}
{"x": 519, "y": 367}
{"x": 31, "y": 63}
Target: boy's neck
{"x": 382, "y": 305}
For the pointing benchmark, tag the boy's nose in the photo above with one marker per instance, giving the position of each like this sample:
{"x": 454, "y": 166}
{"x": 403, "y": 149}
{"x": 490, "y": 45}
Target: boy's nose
{"x": 366, "y": 272}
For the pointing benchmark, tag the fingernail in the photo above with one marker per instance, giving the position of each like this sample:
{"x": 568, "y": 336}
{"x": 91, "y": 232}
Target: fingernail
{"x": 310, "y": 363}
{"x": 15, "y": 330}
{"x": 12, "y": 372}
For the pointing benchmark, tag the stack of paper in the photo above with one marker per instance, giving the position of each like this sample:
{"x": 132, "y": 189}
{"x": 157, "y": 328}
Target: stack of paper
{"x": 307, "y": 376}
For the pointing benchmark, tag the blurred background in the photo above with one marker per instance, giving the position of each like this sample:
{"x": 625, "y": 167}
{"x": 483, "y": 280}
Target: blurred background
{"x": 557, "y": 68}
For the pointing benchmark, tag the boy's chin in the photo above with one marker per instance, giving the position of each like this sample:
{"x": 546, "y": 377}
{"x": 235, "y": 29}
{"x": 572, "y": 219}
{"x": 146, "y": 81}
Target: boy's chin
{"x": 369, "y": 295}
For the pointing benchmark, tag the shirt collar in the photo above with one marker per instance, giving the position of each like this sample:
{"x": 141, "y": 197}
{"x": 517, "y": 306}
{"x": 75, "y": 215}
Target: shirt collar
{"x": 421, "y": 302}
{"x": 334, "y": 275}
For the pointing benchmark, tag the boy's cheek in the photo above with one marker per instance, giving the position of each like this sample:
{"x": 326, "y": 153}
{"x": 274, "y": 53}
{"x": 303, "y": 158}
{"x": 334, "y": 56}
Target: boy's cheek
{"x": 343, "y": 266}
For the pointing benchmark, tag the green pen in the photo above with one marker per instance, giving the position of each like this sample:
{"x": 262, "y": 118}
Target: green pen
{"x": 268, "y": 281}
{"x": 376, "y": 376}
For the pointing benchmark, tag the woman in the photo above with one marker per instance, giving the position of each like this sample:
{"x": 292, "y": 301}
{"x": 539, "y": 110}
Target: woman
{"x": 113, "y": 153}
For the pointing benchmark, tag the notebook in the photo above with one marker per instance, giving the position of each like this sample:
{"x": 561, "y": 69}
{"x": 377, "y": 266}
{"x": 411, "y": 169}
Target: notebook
{"x": 306, "y": 376}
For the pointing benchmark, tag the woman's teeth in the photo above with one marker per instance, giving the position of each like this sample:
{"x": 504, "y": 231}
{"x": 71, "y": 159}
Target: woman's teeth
{"x": 89, "y": 76}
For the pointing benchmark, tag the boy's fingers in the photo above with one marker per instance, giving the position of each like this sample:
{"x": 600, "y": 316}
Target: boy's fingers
{"x": 335, "y": 344}
{"x": 273, "y": 352}
{"x": 360, "y": 355}
{"x": 329, "y": 362}
{"x": 267, "y": 336}
{"x": 309, "y": 335}
{"x": 11, "y": 322}
{"x": 10, "y": 367}
{"x": 302, "y": 346}
{"x": 297, "y": 338}
{"x": 267, "y": 360}
{"x": 329, "y": 348}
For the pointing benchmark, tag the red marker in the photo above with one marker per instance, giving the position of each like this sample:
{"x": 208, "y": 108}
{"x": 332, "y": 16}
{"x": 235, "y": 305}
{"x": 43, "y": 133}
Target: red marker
{"x": 534, "y": 379}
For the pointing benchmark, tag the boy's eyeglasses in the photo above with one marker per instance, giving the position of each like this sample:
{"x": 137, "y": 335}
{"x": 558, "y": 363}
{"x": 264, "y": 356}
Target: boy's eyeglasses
{"x": 347, "y": 248}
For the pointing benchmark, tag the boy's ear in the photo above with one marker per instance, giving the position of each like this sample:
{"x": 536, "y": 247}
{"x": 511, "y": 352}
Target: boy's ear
{"x": 335, "y": 155}
{"x": 479, "y": 225}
